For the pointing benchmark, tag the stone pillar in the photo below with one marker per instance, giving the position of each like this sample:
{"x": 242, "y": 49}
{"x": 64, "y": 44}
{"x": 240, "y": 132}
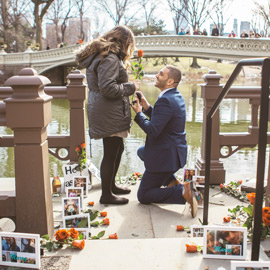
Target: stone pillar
{"x": 76, "y": 94}
{"x": 209, "y": 92}
{"x": 28, "y": 112}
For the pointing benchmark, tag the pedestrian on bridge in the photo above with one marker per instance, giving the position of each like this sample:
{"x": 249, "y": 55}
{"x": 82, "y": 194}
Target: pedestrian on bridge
{"x": 108, "y": 108}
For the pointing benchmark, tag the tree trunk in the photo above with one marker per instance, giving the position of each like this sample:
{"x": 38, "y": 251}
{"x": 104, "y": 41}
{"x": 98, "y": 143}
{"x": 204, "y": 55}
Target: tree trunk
{"x": 195, "y": 63}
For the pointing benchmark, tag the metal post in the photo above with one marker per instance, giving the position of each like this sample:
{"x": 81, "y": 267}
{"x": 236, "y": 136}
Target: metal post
{"x": 261, "y": 160}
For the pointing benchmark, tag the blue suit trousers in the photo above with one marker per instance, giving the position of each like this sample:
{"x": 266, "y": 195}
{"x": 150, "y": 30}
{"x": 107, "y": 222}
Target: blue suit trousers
{"x": 151, "y": 190}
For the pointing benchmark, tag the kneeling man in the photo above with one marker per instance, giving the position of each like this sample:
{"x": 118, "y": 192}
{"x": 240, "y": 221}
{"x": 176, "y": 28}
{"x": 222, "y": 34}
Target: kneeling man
{"x": 165, "y": 149}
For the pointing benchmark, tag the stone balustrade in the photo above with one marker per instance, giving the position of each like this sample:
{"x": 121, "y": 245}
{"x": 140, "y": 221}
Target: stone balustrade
{"x": 26, "y": 109}
{"x": 233, "y": 142}
{"x": 225, "y": 48}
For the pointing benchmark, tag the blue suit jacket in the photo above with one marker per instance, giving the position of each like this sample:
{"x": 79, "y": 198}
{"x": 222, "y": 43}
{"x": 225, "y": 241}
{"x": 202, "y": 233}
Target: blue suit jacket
{"x": 165, "y": 147}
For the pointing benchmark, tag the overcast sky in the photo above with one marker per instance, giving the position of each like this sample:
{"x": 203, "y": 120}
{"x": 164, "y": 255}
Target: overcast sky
{"x": 239, "y": 9}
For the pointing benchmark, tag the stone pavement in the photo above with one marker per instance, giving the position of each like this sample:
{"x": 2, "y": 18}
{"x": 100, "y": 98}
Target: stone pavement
{"x": 147, "y": 235}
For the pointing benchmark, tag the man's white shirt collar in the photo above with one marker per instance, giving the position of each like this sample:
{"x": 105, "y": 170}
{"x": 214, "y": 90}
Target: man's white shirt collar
{"x": 164, "y": 91}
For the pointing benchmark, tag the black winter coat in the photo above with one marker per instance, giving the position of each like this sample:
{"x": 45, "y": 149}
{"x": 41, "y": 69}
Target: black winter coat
{"x": 108, "y": 106}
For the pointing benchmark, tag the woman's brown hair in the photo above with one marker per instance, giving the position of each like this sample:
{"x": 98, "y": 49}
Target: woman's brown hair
{"x": 119, "y": 40}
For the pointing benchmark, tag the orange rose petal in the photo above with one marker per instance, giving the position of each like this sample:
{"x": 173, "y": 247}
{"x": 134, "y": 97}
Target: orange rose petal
{"x": 180, "y": 228}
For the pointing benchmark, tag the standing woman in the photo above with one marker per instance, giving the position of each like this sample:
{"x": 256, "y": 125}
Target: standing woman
{"x": 108, "y": 107}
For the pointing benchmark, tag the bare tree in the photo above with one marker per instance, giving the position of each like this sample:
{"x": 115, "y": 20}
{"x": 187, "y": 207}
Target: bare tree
{"x": 220, "y": 7}
{"x": 14, "y": 27}
{"x": 40, "y": 9}
{"x": 263, "y": 10}
{"x": 196, "y": 12}
{"x": 4, "y": 5}
{"x": 59, "y": 13}
{"x": 176, "y": 8}
{"x": 117, "y": 9}
{"x": 149, "y": 7}
{"x": 82, "y": 8}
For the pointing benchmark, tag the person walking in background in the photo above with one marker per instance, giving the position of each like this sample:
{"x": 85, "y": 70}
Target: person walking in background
{"x": 232, "y": 34}
{"x": 251, "y": 34}
{"x": 215, "y": 31}
{"x": 197, "y": 32}
{"x": 204, "y": 33}
{"x": 188, "y": 32}
{"x": 244, "y": 34}
{"x": 182, "y": 32}
{"x": 108, "y": 106}
{"x": 165, "y": 149}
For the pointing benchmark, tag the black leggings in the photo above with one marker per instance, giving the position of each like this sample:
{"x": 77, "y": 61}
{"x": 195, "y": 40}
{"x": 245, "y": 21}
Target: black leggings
{"x": 113, "y": 148}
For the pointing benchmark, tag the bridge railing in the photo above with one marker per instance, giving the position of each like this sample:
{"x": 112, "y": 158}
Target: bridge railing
{"x": 26, "y": 109}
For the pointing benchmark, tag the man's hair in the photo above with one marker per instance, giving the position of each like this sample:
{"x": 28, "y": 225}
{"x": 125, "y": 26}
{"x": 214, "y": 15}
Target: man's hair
{"x": 174, "y": 73}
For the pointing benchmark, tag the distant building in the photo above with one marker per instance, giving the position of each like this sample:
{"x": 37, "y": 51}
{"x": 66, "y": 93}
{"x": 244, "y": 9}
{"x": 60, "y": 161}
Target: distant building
{"x": 244, "y": 25}
{"x": 72, "y": 33}
{"x": 235, "y": 27}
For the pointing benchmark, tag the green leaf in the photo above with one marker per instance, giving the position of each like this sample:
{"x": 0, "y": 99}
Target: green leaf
{"x": 93, "y": 216}
{"x": 264, "y": 232}
{"x": 56, "y": 245}
{"x": 248, "y": 210}
{"x": 49, "y": 246}
{"x": 45, "y": 236}
{"x": 83, "y": 224}
{"x": 81, "y": 236}
{"x": 94, "y": 237}
{"x": 100, "y": 234}
{"x": 95, "y": 224}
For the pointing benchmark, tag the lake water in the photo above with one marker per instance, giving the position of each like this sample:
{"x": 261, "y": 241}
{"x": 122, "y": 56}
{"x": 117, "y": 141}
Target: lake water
{"x": 234, "y": 115}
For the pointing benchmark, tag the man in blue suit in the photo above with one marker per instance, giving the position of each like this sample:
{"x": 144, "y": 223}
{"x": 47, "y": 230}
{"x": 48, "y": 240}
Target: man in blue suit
{"x": 165, "y": 149}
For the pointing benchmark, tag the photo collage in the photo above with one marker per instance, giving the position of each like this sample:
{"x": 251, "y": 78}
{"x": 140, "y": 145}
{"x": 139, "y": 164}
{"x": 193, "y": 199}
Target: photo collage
{"x": 20, "y": 250}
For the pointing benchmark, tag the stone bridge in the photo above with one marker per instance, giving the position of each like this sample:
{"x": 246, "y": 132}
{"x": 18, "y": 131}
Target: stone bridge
{"x": 56, "y": 63}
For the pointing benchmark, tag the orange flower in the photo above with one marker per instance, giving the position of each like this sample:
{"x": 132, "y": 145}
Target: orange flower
{"x": 91, "y": 203}
{"x": 106, "y": 221}
{"x": 266, "y": 211}
{"x": 62, "y": 235}
{"x": 73, "y": 233}
{"x": 191, "y": 248}
{"x": 78, "y": 244}
{"x": 266, "y": 219}
{"x": 140, "y": 53}
{"x": 251, "y": 197}
{"x": 226, "y": 219}
{"x": 78, "y": 149}
{"x": 103, "y": 214}
{"x": 83, "y": 145}
{"x": 221, "y": 186}
{"x": 113, "y": 236}
{"x": 240, "y": 182}
{"x": 180, "y": 228}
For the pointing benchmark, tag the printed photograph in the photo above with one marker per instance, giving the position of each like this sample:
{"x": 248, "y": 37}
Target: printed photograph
{"x": 199, "y": 180}
{"x": 225, "y": 242}
{"x": 20, "y": 250}
{"x": 196, "y": 231}
{"x": 79, "y": 221}
{"x": 81, "y": 181}
{"x": 71, "y": 206}
{"x": 75, "y": 192}
{"x": 84, "y": 233}
{"x": 189, "y": 174}
{"x": 28, "y": 245}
